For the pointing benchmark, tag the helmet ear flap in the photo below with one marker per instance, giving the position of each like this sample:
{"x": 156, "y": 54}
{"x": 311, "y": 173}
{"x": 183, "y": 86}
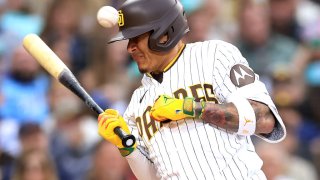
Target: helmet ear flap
{"x": 155, "y": 43}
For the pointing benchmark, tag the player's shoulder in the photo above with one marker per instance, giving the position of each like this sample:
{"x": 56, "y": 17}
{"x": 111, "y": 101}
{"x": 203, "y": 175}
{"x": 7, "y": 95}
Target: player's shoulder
{"x": 221, "y": 44}
{"x": 139, "y": 89}
{"x": 214, "y": 43}
{"x": 137, "y": 94}
{"x": 146, "y": 82}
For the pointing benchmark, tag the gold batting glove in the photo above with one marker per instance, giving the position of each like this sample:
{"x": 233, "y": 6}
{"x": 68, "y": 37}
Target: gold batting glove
{"x": 169, "y": 108}
{"x": 107, "y": 121}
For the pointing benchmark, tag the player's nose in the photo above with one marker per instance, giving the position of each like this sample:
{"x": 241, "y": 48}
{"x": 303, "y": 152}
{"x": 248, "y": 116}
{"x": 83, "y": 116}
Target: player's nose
{"x": 132, "y": 46}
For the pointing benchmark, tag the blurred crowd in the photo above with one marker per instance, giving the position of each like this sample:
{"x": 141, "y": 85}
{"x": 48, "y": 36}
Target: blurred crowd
{"x": 46, "y": 132}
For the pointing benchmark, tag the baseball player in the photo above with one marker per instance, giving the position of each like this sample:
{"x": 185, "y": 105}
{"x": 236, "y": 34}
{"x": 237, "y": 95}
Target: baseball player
{"x": 198, "y": 104}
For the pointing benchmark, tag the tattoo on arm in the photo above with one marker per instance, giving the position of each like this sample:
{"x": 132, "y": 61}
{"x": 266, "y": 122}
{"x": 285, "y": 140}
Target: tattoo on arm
{"x": 226, "y": 116}
{"x": 265, "y": 118}
{"x": 223, "y": 115}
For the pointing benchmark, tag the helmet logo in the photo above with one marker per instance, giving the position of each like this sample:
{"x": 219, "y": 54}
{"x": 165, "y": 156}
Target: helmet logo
{"x": 121, "y": 19}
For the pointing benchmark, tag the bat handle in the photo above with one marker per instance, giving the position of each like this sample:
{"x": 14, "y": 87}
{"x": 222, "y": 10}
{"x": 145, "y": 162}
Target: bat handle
{"x": 71, "y": 83}
{"x": 128, "y": 140}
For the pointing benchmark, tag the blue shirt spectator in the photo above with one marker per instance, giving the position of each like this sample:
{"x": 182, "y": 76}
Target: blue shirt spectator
{"x": 25, "y": 101}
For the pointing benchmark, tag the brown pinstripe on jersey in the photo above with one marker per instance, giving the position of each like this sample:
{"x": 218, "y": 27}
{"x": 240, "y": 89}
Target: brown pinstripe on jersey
{"x": 192, "y": 149}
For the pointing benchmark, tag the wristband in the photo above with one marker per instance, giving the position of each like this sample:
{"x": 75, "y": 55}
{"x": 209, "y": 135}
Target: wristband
{"x": 192, "y": 108}
{"x": 188, "y": 106}
{"x": 126, "y": 151}
{"x": 247, "y": 117}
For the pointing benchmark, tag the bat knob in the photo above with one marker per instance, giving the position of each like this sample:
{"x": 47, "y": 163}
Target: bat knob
{"x": 128, "y": 140}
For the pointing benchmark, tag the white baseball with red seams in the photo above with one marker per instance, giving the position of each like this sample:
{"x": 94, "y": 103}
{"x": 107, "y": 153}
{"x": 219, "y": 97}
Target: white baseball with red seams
{"x": 107, "y": 16}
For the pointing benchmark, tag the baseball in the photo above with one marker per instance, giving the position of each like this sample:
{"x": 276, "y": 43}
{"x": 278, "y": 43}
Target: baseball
{"x": 107, "y": 16}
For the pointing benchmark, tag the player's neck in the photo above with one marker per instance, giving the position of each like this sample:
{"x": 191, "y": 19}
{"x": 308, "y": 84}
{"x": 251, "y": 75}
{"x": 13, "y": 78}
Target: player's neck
{"x": 170, "y": 57}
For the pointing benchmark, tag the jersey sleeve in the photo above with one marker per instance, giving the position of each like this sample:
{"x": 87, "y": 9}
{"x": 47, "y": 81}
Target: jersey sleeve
{"x": 232, "y": 74}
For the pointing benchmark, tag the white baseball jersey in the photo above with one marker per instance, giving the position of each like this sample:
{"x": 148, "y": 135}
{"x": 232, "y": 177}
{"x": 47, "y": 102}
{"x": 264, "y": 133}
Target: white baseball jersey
{"x": 190, "y": 148}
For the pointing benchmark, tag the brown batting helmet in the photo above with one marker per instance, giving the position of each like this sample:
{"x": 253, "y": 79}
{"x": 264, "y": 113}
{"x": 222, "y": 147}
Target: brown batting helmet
{"x": 160, "y": 17}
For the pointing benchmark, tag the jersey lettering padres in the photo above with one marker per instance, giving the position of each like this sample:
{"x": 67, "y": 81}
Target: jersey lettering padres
{"x": 190, "y": 148}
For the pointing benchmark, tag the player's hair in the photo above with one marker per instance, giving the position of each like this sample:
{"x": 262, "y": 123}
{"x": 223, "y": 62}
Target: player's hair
{"x": 159, "y": 17}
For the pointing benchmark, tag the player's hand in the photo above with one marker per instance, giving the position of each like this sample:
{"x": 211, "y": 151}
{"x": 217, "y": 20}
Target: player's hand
{"x": 168, "y": 108}
{"x": 107, "y": 121}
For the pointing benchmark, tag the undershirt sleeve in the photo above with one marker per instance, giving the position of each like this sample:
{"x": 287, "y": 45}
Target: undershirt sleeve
{"x": 142, "y": 168}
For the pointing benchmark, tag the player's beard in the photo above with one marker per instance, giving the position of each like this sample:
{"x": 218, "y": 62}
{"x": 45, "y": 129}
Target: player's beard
{"x": 141, "y": 68}
{"x": 142, "y": 71}
{"x": 143, "y": 63}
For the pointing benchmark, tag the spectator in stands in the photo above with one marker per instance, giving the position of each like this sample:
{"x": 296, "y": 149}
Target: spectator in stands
{"x": 62, "y": 26}
{"x": 18, "y": 17}
{"x": 34, "y": 165}
{"x": 268, "y": 52}
{"x": 283, "y": 18}
{"x": 72, "y": 134}
{"x": 109, "y": 166}
{"x": 24, "y": 89}
{"x": 33, "y": 136}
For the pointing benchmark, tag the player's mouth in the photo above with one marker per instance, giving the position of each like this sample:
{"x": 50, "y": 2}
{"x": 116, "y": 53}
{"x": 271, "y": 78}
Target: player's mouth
{"x": 138, "y": 57}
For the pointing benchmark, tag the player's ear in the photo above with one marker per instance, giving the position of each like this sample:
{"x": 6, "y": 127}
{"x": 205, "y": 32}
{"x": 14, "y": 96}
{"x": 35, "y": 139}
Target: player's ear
{"x": 164, "y": 38}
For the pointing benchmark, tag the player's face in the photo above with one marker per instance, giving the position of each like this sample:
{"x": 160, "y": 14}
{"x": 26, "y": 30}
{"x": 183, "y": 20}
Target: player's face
{"x": 147, "y": 60}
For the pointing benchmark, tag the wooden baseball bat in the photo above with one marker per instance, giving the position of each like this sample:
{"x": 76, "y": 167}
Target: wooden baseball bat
{"x": 53, "y": 64}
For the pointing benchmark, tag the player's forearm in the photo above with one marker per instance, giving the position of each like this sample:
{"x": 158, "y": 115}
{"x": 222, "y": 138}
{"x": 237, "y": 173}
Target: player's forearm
{"x": 226, "y": 116}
